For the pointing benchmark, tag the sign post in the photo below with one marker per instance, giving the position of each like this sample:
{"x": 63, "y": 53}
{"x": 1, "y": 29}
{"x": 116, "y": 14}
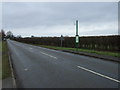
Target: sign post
{"x": 77, "y": 36}
{"x": 61, "y": 38}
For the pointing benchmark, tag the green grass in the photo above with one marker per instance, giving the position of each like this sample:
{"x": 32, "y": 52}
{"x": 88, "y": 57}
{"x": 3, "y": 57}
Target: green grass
{"x": 5, "y": 61}
{"x": 107, "y": 53}
{"x": 0, "y": 60}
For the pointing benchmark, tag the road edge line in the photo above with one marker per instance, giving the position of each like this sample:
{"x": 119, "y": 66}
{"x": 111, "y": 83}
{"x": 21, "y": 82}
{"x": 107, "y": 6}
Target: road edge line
{"x": 94, "y": 56}
{"x": 12, "y": 72}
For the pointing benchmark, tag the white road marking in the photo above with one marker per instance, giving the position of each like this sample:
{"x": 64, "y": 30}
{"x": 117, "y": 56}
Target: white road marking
{"x": 26, "y": 69}
{"x": 49, "y": 55}
{"x": 99, "y": 74}
{"x": 31, "y": 48}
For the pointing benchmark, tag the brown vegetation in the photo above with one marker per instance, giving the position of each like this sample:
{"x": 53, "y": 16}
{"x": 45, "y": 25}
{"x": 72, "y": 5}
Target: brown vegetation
{"x": 107, "y": 43}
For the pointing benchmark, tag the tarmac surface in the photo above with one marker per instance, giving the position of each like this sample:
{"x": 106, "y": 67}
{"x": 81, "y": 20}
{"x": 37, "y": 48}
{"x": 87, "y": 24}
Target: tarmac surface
{"x": 37, "y": 67}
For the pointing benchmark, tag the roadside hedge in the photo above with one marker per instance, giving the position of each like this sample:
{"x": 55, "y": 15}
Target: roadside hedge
{"x": 109, "y": 43}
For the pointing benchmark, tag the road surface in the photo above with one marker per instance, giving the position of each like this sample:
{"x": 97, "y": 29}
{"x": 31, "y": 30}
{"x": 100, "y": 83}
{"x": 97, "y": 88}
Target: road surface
{"x": 38, "y": 67}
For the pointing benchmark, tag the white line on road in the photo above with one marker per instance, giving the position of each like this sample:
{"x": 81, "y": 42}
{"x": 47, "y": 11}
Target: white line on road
{"x": 31, "y": 48}
{"x": 26, "y": 69}
{"x": 49, "y": 55}
{"x": 98, "y": 74}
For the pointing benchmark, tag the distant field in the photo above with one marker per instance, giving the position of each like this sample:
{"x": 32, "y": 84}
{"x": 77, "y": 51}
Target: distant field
{"x": 114, "y": 54}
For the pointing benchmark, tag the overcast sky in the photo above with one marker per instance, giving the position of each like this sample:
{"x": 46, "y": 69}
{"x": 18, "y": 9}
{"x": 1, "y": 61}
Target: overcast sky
{"x": 54, "y": 19}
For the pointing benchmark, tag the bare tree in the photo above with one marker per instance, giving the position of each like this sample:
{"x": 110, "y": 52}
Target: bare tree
{"x": 9, "y": 34}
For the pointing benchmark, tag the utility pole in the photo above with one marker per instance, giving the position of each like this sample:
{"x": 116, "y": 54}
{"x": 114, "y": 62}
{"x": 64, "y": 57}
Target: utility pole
{"x": 77, "y": 36}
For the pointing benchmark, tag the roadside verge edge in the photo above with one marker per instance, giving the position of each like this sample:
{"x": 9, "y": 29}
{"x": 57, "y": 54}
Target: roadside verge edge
{"x": 108, "y": 58}
{"x": 12, "y": 72}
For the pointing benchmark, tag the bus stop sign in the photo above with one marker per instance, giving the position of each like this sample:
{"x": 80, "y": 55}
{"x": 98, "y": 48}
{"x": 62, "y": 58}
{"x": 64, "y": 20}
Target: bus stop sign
{"x": 77, "y": 38}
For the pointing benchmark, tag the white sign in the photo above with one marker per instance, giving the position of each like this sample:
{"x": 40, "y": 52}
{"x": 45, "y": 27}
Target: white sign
{"x": 77, "y": 39}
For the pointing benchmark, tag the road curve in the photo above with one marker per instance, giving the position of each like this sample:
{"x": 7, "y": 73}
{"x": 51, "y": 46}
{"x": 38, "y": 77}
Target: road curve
{"x": 37, "y": 67}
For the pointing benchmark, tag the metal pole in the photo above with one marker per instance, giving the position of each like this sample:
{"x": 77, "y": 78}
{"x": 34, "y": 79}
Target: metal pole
{"x": 76, "y": 27}
{"x": 77, "y": 37}
{"x": 61, "y": 38}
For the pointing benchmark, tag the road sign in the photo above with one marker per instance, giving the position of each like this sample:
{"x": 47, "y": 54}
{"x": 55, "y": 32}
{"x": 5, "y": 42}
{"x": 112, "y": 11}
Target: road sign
{"x": 61, "y": 38}
{"x": 77, "y": 39}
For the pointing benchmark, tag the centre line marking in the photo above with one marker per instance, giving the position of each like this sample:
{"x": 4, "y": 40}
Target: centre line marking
{"x": 26, "y": 69}
{"x": 30, "y": 48}
{"x": 99, "y": 74}
{"x": 49, "y": 55}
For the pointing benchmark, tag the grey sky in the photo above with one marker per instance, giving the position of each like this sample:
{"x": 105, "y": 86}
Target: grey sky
{"x": 54, "y": 19}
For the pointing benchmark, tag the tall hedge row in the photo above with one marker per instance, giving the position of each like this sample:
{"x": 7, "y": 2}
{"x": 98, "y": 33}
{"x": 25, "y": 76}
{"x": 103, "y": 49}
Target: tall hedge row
{"x": 110, "y": 43}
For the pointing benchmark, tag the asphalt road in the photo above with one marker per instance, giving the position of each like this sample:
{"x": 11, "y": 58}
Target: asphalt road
{"x": 38, "y": 67}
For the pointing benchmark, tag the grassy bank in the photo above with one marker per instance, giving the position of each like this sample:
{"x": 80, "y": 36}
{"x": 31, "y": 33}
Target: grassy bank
{"x": 114, "y": 54}
{"x": 5, "y": 61}
{"x": 0, "y": 60}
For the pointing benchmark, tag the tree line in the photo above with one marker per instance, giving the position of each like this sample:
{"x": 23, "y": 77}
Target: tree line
{"x": 7, "y": 35}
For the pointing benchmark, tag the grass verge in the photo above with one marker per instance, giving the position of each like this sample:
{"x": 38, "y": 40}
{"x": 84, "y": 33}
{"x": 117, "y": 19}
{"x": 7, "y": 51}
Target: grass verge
{"x": 6, "y": 72}
{"x": 0, "y": 60}
{"x": 106, "y": 53}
